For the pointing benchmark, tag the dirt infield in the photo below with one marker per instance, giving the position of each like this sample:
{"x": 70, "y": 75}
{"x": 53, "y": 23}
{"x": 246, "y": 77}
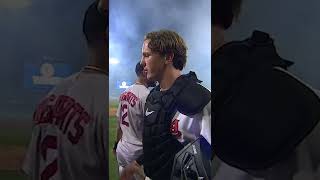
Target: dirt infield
{"x": 112, "y": 111}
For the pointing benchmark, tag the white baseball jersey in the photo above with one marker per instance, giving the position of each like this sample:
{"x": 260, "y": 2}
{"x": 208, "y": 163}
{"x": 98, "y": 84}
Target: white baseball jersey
{"x": 69, "y": 137}
{"x": 130, "y": 115}
{"x": 188, "y": 128}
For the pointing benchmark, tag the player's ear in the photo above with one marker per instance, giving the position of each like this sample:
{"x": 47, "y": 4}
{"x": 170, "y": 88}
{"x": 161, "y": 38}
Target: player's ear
{"x": 168, "y": 58}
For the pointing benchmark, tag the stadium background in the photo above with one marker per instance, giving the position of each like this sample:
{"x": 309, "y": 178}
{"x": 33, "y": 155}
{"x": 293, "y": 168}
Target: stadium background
{"x": 42, "y": 42}
{"x": 131, "y": 20}
{"x": 35, "y": 32}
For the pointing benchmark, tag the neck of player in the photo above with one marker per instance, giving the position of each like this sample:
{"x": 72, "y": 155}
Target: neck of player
{"x": 170, "y": 75}
{"x": 141, "y": 82}
{"x": 99, "y": 61}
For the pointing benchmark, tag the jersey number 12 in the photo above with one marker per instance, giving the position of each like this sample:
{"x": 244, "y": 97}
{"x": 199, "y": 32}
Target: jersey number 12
{"x": 49, "y": 142}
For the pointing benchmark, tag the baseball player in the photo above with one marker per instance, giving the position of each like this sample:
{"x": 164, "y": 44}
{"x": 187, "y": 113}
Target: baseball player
{"x": 178, "y": 110}
{"x": 130, "y": 115}
{"x": 70, "y": 132}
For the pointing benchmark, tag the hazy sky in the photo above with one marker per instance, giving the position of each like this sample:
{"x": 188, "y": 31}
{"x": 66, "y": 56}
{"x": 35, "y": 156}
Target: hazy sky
{"x": 31, "y": 31}
{"x": 131, "y": 20}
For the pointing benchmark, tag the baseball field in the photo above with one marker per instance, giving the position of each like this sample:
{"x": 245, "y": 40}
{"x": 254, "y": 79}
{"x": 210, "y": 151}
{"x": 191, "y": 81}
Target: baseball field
{"x": 14, "y": 138}
{"x": 113, "y": 167}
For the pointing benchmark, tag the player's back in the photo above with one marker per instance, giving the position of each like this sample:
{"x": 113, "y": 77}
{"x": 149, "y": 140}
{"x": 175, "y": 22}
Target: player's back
{"x": 131, "y": 113}
{"x": 69, "y": 138}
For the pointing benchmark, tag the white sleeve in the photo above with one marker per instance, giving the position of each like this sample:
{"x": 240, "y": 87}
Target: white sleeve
{"x": 206, "y": 123}
{"x": 143, "y": 104}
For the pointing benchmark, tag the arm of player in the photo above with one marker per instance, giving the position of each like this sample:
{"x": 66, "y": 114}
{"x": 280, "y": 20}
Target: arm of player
{"x": 119, "y": 136}
{"x": 119, "y": 131}
{"x": 136, "y": 166}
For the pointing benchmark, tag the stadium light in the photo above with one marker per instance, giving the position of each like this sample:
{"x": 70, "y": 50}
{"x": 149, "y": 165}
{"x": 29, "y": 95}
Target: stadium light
{"x": 114, "y": 61}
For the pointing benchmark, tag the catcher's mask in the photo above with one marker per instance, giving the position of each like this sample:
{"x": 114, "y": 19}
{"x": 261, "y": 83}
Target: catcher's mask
{"x": 193, "y": 162}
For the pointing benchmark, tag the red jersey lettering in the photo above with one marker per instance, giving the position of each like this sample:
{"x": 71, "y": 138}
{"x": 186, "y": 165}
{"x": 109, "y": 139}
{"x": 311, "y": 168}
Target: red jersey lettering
{"x": 174, "y": 128}
{"x": 62, "y": 111}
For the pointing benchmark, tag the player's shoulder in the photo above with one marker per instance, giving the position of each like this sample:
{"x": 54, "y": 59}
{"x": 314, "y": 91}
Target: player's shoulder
{"x": 88, "y": 80}
{"x": 140, "y": 90}
{"x": 85, "y": 88}
{"x": 144, "y": 91}
{"x": 139, "y": 87}
{"x": 67, "y": 80}
{"x": 206, "y": 111}
{"x": 129, "y": 89}
{"x": 95, "y": 79}
{"x": 63, "y": 84}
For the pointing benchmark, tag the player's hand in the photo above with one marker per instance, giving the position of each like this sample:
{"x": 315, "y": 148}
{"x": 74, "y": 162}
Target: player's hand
{"x": 130, "y": 170}
{"x": 114, "y": 149}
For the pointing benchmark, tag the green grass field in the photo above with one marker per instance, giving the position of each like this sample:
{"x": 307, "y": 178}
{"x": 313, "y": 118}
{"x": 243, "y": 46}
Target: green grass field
{"x": 14, "y": 137}
{"x": 113, "y": 167}
{"x": 12, "y": 175}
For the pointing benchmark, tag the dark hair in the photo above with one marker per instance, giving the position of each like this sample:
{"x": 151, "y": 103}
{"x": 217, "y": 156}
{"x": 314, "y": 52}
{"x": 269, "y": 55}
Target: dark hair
{"x": 139, "y": 69}
{"x": 95, "y": 25}
{"x": 166, "y": 41}
{"x": 224, "y": 11}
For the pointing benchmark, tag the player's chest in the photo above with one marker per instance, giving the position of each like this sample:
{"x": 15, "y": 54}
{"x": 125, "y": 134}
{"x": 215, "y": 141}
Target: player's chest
{"x": 160, "y": 117}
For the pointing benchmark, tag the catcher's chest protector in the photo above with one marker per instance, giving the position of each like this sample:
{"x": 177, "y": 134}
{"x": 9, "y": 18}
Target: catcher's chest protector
{"x": 159, "y": 145}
